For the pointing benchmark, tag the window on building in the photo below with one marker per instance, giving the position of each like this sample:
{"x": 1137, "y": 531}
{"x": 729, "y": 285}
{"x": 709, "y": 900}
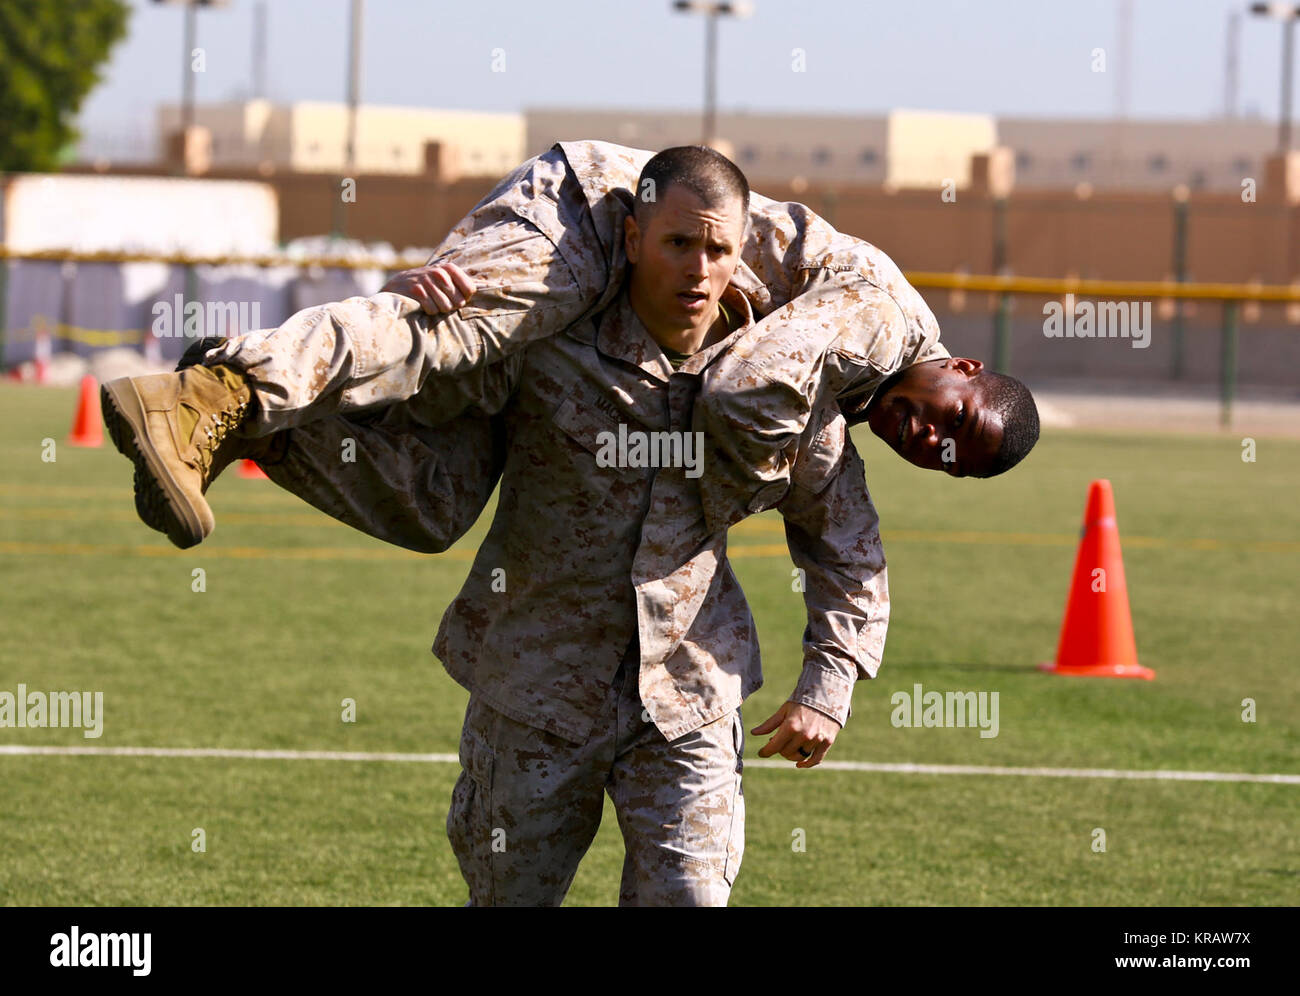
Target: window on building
{"x": 1199, "y": 180}
{"x": 1080, "y": 161}
{"x": 821, "y": 156}
{"x": 749, "y": 154}
{"x": 869, "y": 157}
{"x": 1158, "y": 163}
{"x": 1024, "y": 161}
{"x": 1241, "y": 165}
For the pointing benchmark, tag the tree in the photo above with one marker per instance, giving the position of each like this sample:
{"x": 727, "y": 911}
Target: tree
{"x": 50, "y": 55}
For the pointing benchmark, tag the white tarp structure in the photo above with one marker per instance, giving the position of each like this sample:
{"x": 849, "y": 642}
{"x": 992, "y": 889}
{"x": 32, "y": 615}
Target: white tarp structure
{"x": 88, "y": 306}
{"x": 139, "y": 214}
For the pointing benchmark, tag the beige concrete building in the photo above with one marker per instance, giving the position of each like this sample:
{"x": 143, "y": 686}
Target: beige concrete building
{"x": 819, "y": 148}
{"x": 310, "y": 137}
{"x": 930, "y": 148}
{"x": 1213, "y": 154}
{"x": 905, "y": 149}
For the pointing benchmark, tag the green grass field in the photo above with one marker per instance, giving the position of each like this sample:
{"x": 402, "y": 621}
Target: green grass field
{"x": 300, "y": 613}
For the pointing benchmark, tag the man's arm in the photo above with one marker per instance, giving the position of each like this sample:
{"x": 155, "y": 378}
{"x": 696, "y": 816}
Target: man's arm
{"x": 366, "y": 352}
{"x": 832, "y": 531}
{"x": 418, "y": 482}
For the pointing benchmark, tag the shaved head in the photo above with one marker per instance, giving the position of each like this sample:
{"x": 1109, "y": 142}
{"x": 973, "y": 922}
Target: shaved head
{"x": 713, "y": 178}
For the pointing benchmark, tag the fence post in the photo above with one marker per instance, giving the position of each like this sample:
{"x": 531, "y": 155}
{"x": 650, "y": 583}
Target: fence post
{"x": 191, "y": 294}
{"x": 1228, "y": 362}
{"x": 4, "y": 308}
{"x": 1177, "y": 362}
{"x": 1002, "y": 319}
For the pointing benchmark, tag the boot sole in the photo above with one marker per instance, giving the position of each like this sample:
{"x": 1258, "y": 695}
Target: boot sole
{"x": 159, "y": 500}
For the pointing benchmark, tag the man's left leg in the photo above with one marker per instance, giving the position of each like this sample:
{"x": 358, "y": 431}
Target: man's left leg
{"x": 362, "y": 353}
{"x": 681, "y": 808}
{"x": 412, "y": 485}
{"x": 418, "y": 480}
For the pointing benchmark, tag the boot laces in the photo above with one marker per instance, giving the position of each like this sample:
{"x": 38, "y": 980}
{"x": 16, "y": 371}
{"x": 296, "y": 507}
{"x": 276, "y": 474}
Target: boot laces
{"x": 222, "y": 423}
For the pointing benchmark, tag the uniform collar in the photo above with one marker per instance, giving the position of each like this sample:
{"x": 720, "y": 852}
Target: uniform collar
{"x": 738, "y": 304}
{"x": 622, "y": 336}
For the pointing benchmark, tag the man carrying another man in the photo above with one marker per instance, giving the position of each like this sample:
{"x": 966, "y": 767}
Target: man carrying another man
{"x": 638, "y": 692}
{"x": 546, "y": 248}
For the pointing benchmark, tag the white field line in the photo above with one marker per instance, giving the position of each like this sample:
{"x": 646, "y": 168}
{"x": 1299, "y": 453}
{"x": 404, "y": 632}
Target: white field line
{"x": 234, "y": 753}
{"x": 893, "y": 769}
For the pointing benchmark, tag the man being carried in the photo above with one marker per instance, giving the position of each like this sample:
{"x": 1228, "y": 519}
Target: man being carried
{"x": 545, "y": 248}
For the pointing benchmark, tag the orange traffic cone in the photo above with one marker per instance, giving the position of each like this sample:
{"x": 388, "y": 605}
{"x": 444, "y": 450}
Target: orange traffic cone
{"x": 1097, "y": 633}
{"x": 247, "y": 468}
{"x": 87, "y": 426}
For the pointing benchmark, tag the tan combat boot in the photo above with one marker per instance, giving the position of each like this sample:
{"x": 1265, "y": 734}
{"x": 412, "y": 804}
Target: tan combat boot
{"x": 180, "y": 431}
{"x": 265, "y": 451}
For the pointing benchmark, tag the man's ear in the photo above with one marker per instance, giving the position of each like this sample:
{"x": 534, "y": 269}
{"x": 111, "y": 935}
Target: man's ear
{"x": 965, "y": 364}
{"x": 631, "y": 239}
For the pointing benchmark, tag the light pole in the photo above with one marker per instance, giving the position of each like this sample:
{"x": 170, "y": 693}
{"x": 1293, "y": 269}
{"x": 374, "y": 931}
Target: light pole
{"x": 711, "y": 11}
{"x": 187, "y": 53}
{"x": 1287, "y": 14}
{"x": 1230, "y": 64}
{"x": 354, "y": 99}
{"x": 189, "y": 38}
{"x": 354, "y": 84}
{"x": 259, "y": 50}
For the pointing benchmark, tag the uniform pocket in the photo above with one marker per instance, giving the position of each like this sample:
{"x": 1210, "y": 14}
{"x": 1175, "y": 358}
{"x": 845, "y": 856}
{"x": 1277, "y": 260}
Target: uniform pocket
{"x": 469, "y": 820}
{"x": 475, "y": 755}
{"x": 592, "y": 422}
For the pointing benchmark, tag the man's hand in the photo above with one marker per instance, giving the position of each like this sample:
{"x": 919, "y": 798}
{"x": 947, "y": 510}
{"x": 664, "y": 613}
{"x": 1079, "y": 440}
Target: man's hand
{"x": 799, "y": 726}
{"x": 439, "y": 289}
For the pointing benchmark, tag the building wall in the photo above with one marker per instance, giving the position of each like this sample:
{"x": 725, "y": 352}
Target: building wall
{"x": 818, "y": 148}
{"x": 919, "y": 148}
{"x": 311, "y": 137}
{"x": 929, "y": 149}
{"x": 392, "y": 139}
{"x": 1051, "y": 234}
{"x": 243, "y": 133}
{"x": 904, "y": 148}
{"x": 1137, "y": 155}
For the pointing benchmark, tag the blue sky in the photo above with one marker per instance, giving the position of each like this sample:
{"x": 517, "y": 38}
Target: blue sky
{"x": 1010, "y": 57}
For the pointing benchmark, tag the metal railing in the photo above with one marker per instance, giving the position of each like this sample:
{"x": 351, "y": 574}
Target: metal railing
{"x": 1232, "y": 296}
{"x": 1005, "y": 287}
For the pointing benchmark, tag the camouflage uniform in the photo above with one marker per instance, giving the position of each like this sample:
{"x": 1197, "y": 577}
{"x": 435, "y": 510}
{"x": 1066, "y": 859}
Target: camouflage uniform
{"x": 637, "y": 693}
{"x": 839, "y": 319}
{"x": 528, "y": 803}
{"x": 599, "y": 592}
{"x": 545, "y": 248}
{"x": 604, "y": 567}
{"x": 412, "y": 485}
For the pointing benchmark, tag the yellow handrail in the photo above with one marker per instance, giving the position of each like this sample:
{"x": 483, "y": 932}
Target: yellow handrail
{"x": 185, "y": 259}
{"x": 975, "y": 282}
{"x": 1126, "y": 289}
